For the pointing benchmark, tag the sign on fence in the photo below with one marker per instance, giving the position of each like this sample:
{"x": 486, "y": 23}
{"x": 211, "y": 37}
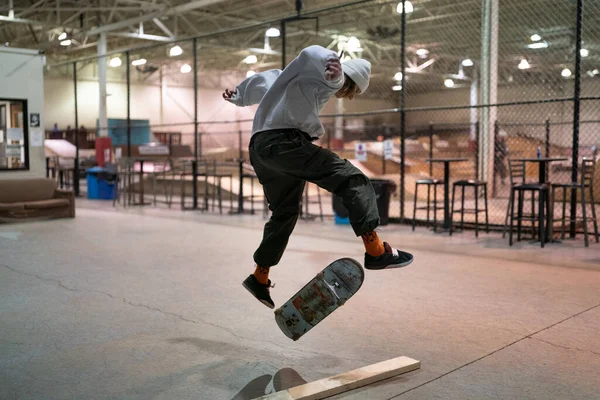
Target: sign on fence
{"x": 360, "y": 151}
{"x": 388, "y": 149}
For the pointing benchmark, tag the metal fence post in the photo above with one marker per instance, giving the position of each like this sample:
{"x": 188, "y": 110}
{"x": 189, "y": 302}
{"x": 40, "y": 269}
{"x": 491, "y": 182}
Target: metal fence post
{"x": 431, "y": 148}
{"x": 403, "y": 112}
{"x": 76, "y": 167}
{"x": 195, "y": 162}
{"x": 576, "y": 116}
{"x": 128, "y": 106}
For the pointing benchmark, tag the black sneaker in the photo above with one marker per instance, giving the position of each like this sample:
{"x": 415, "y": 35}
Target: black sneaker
{"x": 392, "y": 258}
{"x": 259, "y": 290}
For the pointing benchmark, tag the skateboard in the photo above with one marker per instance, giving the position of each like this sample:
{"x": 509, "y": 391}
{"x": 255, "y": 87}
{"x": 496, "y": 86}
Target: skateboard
{"x": 327, "y": 291}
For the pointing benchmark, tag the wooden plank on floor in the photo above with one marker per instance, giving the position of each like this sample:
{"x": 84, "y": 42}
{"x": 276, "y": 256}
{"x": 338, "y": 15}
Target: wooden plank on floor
{"x": 347, "y": 381}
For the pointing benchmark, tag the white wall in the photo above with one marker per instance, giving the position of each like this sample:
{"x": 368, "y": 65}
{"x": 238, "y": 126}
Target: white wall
{"x": 21, "y": 77}
{"x": 168, "y": 105}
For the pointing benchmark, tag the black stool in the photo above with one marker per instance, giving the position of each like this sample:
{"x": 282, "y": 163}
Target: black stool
{"x": 517, "y": 174}
{"x": 587, "y": 182}
{"x": 429, "y": 183}
{"x": 543, "y": 191}
{"x": 305, "y": 202}
{"x": 475, "y": 184}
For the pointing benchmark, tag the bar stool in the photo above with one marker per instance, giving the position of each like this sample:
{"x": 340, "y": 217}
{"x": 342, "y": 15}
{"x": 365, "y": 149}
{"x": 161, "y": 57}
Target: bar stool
{"x": 517, "y": 168}
{"x": 305, "y": 203}
{"x": 517, "y": 177}
{"x": 429, "y": 182}
{"x": 587, "y": 182}
{"x": 475, "y": 184}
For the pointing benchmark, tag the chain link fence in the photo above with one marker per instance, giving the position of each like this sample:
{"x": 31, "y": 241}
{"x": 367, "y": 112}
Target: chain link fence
{"x": 480, "y": 85}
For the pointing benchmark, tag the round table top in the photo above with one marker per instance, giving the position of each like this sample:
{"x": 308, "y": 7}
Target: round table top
{"x": 543, "y": 159}
{"x": 446, "y": 159}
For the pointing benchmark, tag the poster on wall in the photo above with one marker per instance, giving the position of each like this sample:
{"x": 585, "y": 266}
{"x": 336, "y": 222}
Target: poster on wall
{"x": 360, "y": 151}
{"x": 36, "y": 138}
{"x": 34, "y": 120}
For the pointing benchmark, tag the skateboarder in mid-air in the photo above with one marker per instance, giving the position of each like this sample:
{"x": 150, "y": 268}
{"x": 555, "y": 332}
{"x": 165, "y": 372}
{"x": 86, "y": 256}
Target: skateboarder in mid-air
{"x": 284, "y": 157}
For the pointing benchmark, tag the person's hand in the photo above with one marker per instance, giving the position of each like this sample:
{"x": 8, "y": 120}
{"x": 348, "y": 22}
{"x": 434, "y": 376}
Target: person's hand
{"x": 333, "y": 68}
{"x": 228, "y": 94}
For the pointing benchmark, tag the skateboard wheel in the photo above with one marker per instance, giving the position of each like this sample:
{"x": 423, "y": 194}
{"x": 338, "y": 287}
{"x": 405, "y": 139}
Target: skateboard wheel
{"x": 279, "y": 311}
{"x": 341, "y": 302}
{"x": 320, "y": 275}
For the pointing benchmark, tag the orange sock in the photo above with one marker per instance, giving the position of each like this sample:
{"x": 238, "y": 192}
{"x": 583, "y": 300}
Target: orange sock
{"x": 262, "y": 275}
{"x": 373, "y": 244}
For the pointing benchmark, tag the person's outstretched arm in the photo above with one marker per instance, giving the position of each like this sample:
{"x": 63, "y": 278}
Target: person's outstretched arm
{"x": 251, "y": 90}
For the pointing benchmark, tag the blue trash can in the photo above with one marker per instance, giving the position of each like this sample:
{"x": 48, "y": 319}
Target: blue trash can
{"x": 100, "y": 183}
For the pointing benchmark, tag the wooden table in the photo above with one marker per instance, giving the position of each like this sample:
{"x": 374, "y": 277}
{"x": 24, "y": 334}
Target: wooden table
{"x": 447, "y": 161}
{"x": 542, "y": 163}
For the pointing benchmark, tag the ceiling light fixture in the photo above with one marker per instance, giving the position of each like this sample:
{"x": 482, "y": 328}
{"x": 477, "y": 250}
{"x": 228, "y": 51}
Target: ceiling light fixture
{"x": 250, "y": 73}
{"x": 251, "y": 59}
{"x": 397, "y": 88}
{"x": 524, "y": 64}
{"x": 140, "y": 61}
{"x": 449, "y": 83}
{"x": 538, "y": 45}
{"x": 185, "y": 68}
{"x": 467, "y": 62}
{"x": 175, "y": 51}
{"x": 566, "y": 73}
{"x": 422, "y": 52}
{"x": 398, "y": 76}
{"x": 66, "y": 42}
{"x": 409, "y": 7}
{"x": 584, "y": 52}
{"x": 273, "y": 32}
{"x": 535, "y": 37}
{"x": 115, "y": 62}
{"x": 62, "y": 36}
{"x": 353, "y": 44}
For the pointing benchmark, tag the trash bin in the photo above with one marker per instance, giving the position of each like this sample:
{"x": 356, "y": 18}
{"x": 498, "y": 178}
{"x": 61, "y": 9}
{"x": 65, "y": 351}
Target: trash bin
{"x": 383, "y": 191}
{"x": 101, "y": 183}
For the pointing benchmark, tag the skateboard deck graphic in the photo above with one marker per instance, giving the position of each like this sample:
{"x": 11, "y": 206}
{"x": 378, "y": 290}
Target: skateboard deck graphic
{"x": 327, "y": 291}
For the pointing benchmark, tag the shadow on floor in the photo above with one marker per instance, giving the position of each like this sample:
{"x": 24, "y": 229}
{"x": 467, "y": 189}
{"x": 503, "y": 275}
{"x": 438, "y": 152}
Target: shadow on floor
{"x": 256, "y": 388}
{"x": 287, "y": 378}
{"x": 283, "y": 379}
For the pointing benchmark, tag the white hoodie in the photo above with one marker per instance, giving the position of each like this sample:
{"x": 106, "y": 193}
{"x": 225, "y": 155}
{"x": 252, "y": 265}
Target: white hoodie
{"x": 292, "y": 98}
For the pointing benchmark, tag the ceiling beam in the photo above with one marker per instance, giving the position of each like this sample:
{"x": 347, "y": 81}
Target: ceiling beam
{"x": 181, "y": 9}
{"x": 143, "y": 36}
{"x": 163, "y": 27}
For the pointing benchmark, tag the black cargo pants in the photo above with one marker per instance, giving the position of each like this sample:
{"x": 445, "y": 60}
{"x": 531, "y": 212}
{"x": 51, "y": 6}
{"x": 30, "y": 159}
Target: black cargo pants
{"x": 283, "y": 161}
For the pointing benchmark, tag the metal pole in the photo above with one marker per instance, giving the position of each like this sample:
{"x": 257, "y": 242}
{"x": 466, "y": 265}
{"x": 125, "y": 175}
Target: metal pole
{"x": 283, "y": 44}
{"x": 477, "y": 149}
{"x": 576, "y": 109}
{"x": 195, "y": 162}
{"x": 430, "y": 148}
{"x": 128, "y": 105}
{"x": 547, "y": 142}
{"x": 76, "y": 170}
{"x": 402, "y": 111}
{"x": 102, "y": 117}
{"x": 496, "y": 135}
{"x": 383, "y": 157}
{"x": 548, "y": 137}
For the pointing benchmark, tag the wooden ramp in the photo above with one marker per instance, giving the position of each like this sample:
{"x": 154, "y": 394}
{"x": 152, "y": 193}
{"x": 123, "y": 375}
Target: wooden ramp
{"x": 347, "y": 381}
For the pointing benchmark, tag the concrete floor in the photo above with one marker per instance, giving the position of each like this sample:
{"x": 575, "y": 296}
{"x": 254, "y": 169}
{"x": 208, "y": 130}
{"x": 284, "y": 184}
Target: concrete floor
{"x": 148, "y": 303}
